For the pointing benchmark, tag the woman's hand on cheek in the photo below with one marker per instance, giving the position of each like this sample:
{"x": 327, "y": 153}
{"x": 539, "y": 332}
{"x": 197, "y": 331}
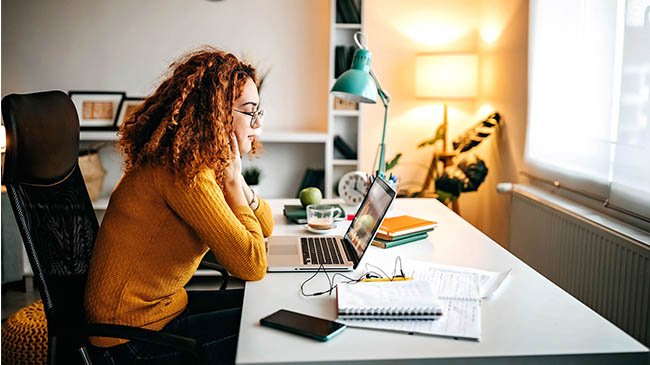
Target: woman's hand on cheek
{"x": 233, "y": 171}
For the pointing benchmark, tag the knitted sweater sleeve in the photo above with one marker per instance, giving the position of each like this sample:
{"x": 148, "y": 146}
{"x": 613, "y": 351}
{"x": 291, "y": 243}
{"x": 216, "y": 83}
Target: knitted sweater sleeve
{"x": 234, "y": 235}
{"x": 264, "y": 216}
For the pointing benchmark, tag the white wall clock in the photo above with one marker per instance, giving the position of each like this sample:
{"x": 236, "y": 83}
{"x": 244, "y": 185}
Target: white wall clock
{"x": 353, "y": 186}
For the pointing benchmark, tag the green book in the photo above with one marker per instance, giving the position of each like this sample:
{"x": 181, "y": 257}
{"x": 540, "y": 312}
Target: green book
{"x": 386, "y": 238}
{"x": 298, "y": 214}
{"x": 388, "y": 244}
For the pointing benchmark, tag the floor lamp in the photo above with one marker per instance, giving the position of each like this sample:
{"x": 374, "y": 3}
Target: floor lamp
{"x": 445, "y": 77}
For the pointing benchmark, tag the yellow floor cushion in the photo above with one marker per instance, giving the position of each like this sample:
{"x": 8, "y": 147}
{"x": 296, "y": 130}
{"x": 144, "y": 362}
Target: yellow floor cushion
{"x": 24, "y": 336}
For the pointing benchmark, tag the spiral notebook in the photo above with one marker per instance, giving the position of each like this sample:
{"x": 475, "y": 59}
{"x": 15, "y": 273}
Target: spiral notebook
{"x": 410, "y": 299}
{"x": 458, "y": 293}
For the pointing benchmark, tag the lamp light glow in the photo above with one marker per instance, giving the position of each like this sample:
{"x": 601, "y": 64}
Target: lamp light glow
{"x": 446, "y": 76}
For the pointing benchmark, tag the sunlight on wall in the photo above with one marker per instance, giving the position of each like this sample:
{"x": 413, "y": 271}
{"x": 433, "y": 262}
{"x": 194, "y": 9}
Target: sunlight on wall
{"x": 430, "y": 25}
{"x": 490, "y": 33}
{"x": 433, "y": 34}
{"x": 494, "y": 16}
{"x": 425, "y": 114}
{"x": 484, "y": 111}
{"x": 431, "y": 115}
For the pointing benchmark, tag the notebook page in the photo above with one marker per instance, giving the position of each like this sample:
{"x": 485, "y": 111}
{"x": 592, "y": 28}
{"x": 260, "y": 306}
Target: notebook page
{"x": 488, "y": 281}
{"x": 387, "y": 298}
{"x": 461, "y": 309}
{"x": 462, "y": 319}
{"x": 455, "y": 285}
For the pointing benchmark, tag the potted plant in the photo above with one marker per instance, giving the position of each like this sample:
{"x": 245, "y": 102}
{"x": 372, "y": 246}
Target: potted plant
{"x": 469, "y": 171}
{"x": 252, "y": 177}
{"x": 455, "y": 172}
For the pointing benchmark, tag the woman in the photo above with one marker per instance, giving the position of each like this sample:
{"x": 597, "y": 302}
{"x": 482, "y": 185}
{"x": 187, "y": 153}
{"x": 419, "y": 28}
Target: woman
{"x": 181, "y": 195}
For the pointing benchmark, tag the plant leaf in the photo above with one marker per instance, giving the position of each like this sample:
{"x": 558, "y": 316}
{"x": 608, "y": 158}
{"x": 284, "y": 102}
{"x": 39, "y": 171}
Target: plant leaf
{"x": 474, "y": 135}
{"x": 439, "y": 136}
{"x": 393, "y": 162}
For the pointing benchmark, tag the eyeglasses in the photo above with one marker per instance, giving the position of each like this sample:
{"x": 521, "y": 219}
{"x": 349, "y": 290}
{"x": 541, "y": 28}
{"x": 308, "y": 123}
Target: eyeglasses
{"x": 256, "y": 116}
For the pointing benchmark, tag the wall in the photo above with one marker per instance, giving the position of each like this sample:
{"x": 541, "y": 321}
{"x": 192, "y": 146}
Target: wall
{"x": 397, "y": 31}
{"x": 127, "y": 46}
{"x": 503, "y": 85}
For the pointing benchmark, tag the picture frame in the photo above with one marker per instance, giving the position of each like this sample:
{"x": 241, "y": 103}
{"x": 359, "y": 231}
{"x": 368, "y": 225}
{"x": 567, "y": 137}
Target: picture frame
{"x": 126, "y": 107}
{"x": 96, "y": 109}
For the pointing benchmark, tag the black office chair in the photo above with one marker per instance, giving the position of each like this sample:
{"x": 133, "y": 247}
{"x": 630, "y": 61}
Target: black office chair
{"x": 58, "y": 224}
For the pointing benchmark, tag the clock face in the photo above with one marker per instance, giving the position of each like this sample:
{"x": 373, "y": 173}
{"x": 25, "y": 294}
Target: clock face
{"x": 353, "y": 186}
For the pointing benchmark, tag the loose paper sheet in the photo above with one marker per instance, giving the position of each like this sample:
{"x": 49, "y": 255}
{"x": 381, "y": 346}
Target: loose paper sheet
{"x": 489, "y": 281}
{"x": 460, "y": 290}
{"x": 461, "y": 309}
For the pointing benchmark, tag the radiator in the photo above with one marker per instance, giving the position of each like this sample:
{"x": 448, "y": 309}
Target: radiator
{"x": 605, "y": 270}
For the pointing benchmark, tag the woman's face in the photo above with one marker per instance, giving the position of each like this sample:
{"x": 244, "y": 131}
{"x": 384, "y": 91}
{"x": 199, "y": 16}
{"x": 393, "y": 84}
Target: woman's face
{"x": 247, "y": 103}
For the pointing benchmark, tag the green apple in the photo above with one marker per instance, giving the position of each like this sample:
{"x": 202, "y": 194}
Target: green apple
{"x": 310, "y": 196}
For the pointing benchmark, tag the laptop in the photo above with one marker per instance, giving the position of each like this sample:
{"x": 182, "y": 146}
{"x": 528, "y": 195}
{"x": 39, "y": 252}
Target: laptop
{"x": 335, "y": 253}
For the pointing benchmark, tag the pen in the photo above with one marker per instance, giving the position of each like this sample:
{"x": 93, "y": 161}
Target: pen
{"x": 386, "y": 279}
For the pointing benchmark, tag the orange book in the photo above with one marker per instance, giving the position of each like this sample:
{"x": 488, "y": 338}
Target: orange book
{"x": 404, "y": 224}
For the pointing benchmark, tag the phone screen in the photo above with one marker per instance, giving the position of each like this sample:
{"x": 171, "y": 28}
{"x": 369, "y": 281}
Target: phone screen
{"x": 321, "y": 329}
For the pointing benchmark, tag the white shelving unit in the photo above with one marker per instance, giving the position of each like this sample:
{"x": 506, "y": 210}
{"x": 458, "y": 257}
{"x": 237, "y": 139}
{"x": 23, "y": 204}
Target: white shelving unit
{"x": 267, "y": 136}
{"x": 307, "y": 149}
{"x": 98, "y": 136}
{"x": 344, "y": 123}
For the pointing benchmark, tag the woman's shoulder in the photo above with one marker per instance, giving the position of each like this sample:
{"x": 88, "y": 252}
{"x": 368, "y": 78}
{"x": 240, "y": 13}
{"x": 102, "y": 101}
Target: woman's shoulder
{"x": 150, "y": 173}
{"x": 165, "y": 177}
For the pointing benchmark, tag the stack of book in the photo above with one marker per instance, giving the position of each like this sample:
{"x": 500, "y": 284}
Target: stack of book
{"x": 344, "y": 148}
{"x": 298, "y": 213}
{"x": 347, "y": 11}
{"x": 403, "y": 229}
{"x": 343, "y": 59}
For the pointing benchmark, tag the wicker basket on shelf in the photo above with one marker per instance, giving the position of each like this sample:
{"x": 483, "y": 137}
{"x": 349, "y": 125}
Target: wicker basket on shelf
{"x": 93, "y": 173}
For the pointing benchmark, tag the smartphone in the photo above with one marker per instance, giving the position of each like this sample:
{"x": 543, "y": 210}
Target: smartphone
{"x": 302, "y": 324}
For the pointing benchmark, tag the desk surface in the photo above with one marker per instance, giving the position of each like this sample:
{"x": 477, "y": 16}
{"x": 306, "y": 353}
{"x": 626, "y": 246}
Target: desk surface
{"x": 527, "y": 317}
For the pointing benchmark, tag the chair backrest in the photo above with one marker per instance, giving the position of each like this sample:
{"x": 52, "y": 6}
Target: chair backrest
{"x": 52, "y": 208}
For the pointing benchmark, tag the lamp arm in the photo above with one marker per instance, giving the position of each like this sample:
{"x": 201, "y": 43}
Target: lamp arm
{"x": 385, "y": 97}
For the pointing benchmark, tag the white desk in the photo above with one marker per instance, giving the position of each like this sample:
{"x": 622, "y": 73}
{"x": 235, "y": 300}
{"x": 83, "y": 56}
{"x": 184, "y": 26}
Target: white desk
{"x": 528, "y": 319}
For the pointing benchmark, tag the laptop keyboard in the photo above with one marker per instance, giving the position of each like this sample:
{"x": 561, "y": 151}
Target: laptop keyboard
{"x": 320, "y": 250}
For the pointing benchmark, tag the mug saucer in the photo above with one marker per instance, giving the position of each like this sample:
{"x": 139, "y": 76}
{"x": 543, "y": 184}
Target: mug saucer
{"x": 319, "y": 231}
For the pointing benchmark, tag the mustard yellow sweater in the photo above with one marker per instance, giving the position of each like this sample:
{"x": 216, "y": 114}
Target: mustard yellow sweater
{"x": 151, "y": 241}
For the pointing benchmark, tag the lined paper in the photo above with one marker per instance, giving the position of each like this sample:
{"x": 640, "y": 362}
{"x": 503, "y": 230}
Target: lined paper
{"x": 461, "y": 308}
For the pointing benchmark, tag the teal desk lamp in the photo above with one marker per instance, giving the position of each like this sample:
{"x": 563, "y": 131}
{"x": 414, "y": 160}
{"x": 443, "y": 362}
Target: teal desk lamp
{"x": 359, "y": 84}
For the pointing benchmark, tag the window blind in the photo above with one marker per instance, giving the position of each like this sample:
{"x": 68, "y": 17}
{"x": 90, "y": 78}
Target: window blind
{"x": 588, "y": 110}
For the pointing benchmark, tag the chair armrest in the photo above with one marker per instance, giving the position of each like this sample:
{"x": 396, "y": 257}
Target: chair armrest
{"x": 178, "y": 343}
{"x": 219, "y": 268}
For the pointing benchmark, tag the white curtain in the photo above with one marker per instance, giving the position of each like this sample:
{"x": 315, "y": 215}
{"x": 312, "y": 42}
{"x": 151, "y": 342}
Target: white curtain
{"x": 631, "y": 169}
{"x": 588, "y": 110}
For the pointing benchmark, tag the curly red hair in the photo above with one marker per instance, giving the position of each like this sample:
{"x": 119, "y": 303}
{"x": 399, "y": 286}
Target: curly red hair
{"x": 187, "y": 123}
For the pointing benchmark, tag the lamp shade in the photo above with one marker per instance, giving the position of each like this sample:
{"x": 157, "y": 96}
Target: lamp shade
{"x": 446, "y": 76}
{"x": 356, "y": 84}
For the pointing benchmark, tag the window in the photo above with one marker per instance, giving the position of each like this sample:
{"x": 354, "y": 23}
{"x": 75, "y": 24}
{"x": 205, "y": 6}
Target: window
{"x": 588, "y": 91}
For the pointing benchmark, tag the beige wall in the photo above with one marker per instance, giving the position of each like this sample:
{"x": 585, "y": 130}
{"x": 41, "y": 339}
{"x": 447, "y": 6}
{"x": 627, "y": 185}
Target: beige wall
{"x": 494, "y": 29}
{"x": 126, "y": 45}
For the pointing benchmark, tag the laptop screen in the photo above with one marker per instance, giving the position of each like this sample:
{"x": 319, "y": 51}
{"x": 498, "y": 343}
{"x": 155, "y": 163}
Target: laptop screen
{"x": 369, "y": 216}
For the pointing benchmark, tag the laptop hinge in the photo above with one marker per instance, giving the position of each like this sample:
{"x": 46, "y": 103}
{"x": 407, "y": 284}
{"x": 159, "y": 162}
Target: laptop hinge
{"x": 349, "y": 251}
